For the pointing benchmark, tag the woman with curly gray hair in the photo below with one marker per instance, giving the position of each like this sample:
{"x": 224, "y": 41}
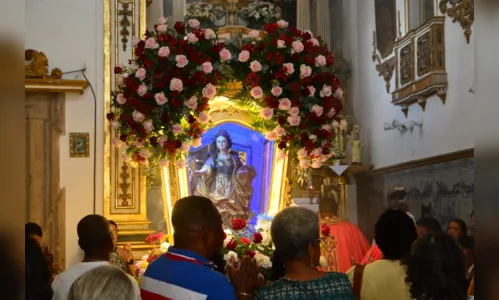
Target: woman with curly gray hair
{"x": 295, "y": 233}
{"x": 102, "y": 283}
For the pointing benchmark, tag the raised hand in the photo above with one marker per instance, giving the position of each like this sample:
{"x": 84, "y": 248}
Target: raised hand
{"x": 244, "y": 276}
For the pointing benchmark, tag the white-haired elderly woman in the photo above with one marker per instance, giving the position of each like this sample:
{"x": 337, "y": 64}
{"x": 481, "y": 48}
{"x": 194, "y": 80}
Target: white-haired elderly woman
{"x": 295, "y": 233}
{"x": 103, "y": 283}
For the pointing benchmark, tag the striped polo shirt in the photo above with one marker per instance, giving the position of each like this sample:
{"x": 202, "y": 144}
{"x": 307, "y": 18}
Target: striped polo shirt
{"x": 184, "y": 275}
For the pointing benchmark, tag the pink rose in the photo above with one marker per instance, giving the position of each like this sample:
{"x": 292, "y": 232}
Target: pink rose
{"x": 343, "y": 124}
{"x": 311, "y": 90}
{"x": 304, "y": 163}
{"x": 120, "y": 99}
{"x": 335, "y": 124}
{"x": 281, "y": 155}
{"x": 294, "y": 120}
{"x": 271, "y": 136}
{"x": 209, "y": 34}
{"x": 138, "y": 116}
{"x": 282, "y": 24}
{"x": 162, "y": 163}
{"x": 320, "y": 61}
{"x": 255, "y": 66}
{"x": 288, "y": 68}
{"x": 314, "y": 42}
{"x": 145, "y": 153}
{"x": 125, "y": 157}
{"x": 196, "y": 143}
{"x": 209, "y": 91}
{"x": 115, "y": 124}
{"x": 162, "y": 28}
{"x": 150, "y": 43}
{"x": 312, "y": 137}
{"x": 284, "y": 104}
{"x": 225, "y": 55}
{"x": 162, "y": 20}
{"x": 317, "y": 152}
{"x": 254, "y": 34}
{"x": 193, "y": 23}
{"x": 316, "y": 164}
{"x": 177, "y": 129}
{"x": 279, "y": 131}
{"x": 305, "y": 71}
{"x": 276, "y": 91}
{"x": 331, "y": 112}
{"x": 207, "y": 67}
{"x": 326, "y": 91}
{"x": 327, "y": 127}
{"x": 297, "y": 46}
{"x": 294, "y": 111}
{"x": 338, "y": 94}
{"x": 138, "y": 145}
{"x": 203, "y": 117}
{"x": 142, "y": 90}
{"x": 302, "y": 153}
{"x": 140, "y": 74}
{"x": 256, "y": 92}
{"x": 176, "y": 85}
{"x": 317, "y": 110}
{"x": 148, "y": 126}
{"x": 162, "y": 141}
{"x": 281, "y": 44}
{"x": 267, "y": 113}
{"x": 192, "y": 103}
{"x": 164, "y": 52}
{"x": 244, "y": 56}
{"x": 117, "y": 143}
{"x": 160, "y": 98}
{"x": 185, "y": 147}
{"x": 192, "y": 38}
{"x": 181, "y": 60}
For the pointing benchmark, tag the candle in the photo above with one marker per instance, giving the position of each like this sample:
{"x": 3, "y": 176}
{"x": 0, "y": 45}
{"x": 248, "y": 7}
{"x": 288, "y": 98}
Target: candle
{"x": 311, "y": 191}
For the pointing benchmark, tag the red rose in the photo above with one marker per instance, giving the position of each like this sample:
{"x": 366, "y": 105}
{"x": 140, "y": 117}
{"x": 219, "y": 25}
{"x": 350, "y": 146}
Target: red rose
{"x": 225, "y": 235}
{"x": 179, "y": 27}
{"x": 325, "y": 230}
{"x": 117, "y": 70}
{"x": 250, "y": 253}
{"x": 257, "y": 237}
{"x": 110, "y": 116}
{"x": 238, "y": 224}
{"x": 231, "y": 245}
{"x": 245, "y": 241}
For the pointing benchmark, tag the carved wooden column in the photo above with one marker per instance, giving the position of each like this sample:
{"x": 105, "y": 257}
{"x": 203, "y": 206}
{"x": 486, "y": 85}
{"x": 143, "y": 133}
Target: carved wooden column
{"x": 303, "y": 17}
{"x": 45, "y": 123}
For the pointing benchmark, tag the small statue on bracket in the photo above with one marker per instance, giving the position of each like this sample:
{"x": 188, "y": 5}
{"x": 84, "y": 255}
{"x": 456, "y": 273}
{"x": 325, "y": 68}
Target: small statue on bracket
{"x": 356, "y": 143}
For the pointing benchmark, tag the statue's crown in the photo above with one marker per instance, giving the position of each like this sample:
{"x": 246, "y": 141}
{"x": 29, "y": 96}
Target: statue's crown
{"x": 222, "y": 132}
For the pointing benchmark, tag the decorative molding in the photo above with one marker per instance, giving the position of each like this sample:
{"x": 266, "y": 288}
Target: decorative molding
{"x": 420, "y": 67}
{"x": 125, "y": 12}
{"x": 36, "y": 66}
{"x": 423, "y": 162}
{"x": 462, "y": 12}
{"x": 385, "y": 68}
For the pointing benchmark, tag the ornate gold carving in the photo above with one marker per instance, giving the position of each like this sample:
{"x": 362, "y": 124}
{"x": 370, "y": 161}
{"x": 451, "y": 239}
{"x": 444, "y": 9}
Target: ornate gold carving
{"x": 232, "y": 88}
{"x": 424, "y": 53}
{"x": 124, "y": 196}
{"x": 288, "y": 197}
{"x": 406, "y": 65}
{"x": 125, "y": 23}
{"x": 385, "y": 69}
{"x": 36, "y": 66}
{"x": 462, "y": 12}
{"x": 148, "y": 3}
{"x": 426, "y": 76}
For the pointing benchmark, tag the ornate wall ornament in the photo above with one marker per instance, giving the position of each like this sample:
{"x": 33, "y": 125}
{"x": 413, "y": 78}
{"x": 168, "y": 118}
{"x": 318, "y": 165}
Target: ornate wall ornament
{"x": 125, "y": 12}
{"x": 422, "y": 75}
{"x": 36, "y": 66}
{"x": 385, "y": 68}
{"x": 124, "y": 198}
{"x": 462, "y": 11}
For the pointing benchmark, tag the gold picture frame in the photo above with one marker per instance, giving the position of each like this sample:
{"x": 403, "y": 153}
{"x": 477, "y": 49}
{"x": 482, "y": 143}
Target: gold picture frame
{"x": 79, "y": 144}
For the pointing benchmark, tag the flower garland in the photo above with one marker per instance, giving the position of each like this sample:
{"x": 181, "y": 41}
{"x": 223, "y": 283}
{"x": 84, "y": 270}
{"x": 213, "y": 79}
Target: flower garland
{"x": 290, "y": 74}
{"x": 161, "y": 100}
{"x": 259, "y": 13}
{"x": 206, "y": 13}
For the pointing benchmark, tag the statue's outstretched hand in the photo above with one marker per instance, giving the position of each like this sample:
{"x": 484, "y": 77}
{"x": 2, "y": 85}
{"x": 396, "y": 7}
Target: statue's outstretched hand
{"x": 199, "y": 173}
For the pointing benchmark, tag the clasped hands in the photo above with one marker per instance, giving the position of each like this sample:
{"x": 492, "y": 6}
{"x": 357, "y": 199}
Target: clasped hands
{"x": 245, "y": 277}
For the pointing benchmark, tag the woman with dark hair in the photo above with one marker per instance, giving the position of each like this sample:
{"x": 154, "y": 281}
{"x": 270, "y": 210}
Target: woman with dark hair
{"x": 37, "y": 276}
{"x": 394, "y": 233}
{"x": 295, "y": 233}
{"x": 457, "y": 229}
{"x": 435, "y": 271}
{"x": 428, "y": 224}
{"x": 467, "y": 245}
{"x": 278, "y": 270}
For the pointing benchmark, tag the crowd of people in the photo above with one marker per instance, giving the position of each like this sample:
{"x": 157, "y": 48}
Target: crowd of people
{"x": 418, "y": 261}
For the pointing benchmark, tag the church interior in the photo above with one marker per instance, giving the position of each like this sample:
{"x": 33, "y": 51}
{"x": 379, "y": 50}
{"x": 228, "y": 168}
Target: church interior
{"x": 402, "y": 135}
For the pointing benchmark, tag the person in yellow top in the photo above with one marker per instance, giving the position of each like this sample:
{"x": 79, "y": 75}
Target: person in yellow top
{"x": 384, "y": 279}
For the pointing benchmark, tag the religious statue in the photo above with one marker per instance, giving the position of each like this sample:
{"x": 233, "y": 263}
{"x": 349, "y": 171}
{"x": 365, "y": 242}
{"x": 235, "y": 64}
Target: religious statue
{"x": 356, "y": 146}
{"x": 226, "y": 181}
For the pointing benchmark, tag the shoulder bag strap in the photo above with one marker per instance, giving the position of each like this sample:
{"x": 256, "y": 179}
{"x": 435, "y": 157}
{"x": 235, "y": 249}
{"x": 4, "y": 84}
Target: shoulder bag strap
{"x": 357, "y": 280}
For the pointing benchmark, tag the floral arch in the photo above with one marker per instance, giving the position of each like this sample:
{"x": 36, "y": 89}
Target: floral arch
{"x": 280, "y": 82}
